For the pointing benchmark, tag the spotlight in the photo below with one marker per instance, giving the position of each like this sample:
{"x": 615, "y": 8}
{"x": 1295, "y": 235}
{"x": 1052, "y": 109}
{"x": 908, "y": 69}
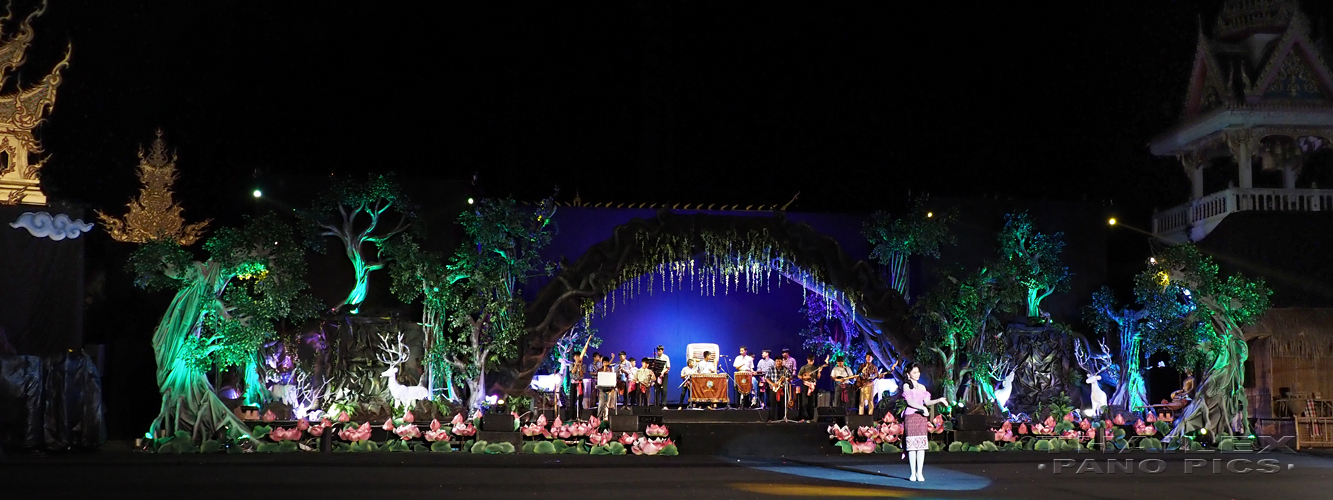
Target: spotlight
{"x": 258, "y": 193}
{"x": 930, "y": 214}
{"x": 1203, "y": 431}
{"x": 1111, "y": 222}
{"x": 1152, "y": 260}
{"x": 469, "y": 201}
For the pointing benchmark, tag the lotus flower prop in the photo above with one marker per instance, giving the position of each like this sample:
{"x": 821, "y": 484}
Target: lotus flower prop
{"x": 435, "y": 433}
{"x": 1022, "y": 429}
{"x": 839, "y": 433}
{"x": 408, "y": 418}
{"x": 594, "y": 422}
{"x": 1119, "y": 419}
{"x": 388, "y": 425}
{"x": 1069, "y": 417}
{"x": 1144, "y": 430}
{"x": 648, "y": 446}
{"x": 1085, "y": 425}
{"x": 1090, "y": 434}
{"x": 541, "y": 420}
{"x": 465, "y": 430}
{"x": 580, "y": 429}
{"x": 533, "y": 430}
{"x": 629, "y": 438}
{"x": 888, "y": 418}
{"x": 280, "y": 434}
{"x": 476, "y": 415}
{"x": 269, "y": 416}
{"x": 656, "y": 431}
{"x": 863, "y": 447}
{"x": 356, "y": 434}
{"x": 302, "y": 424}
{"x": 407, "y": 432}
{"x": 317, "y": 430}
{"x": 343, "y": 417}
{"x": 600, "y": 438}
{"x": 1149, "y": 417}
{"x": 936, "y": 424}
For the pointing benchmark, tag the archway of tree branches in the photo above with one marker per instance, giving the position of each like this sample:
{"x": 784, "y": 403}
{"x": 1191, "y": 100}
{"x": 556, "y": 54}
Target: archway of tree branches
{"x": 744, "y": 249}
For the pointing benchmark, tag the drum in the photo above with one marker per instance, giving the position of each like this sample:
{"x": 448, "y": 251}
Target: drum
{"x": 606, "y": 380}
{"x": 709, "y": 388}
{"x": 744, "y": 382}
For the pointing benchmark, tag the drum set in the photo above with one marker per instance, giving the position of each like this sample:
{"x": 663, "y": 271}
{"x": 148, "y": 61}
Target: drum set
{"x": 715, "y": 388}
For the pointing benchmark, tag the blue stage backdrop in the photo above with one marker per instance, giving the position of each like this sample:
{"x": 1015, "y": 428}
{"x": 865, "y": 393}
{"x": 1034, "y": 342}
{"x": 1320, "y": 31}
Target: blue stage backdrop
{"x": 767, "y": 320}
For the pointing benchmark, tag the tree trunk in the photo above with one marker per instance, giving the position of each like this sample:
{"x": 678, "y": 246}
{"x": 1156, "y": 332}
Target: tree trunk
{"x": 1219, "y": 404}
{"x": 189, "y": 402}
{"x": 1131, "y": 393}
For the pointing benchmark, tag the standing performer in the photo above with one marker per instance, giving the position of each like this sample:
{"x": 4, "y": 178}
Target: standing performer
{"x": 685, "y": 374}
{"x": 778, "y": 393}
{"x": 765, "y": 365}
{"x": 574, "y": 383}
{"x": 842, "y": 384}
{"x": 625, "y": 378}
{"x": 866, "y": 382}
{"x": 914, "y": 419}
{"x": 606, "y": 396}
{"x": 660, "y": 388}
{"x": 744, "y": 365}
{"x": 805, "y": 390}
{"x": 643, "y": 379}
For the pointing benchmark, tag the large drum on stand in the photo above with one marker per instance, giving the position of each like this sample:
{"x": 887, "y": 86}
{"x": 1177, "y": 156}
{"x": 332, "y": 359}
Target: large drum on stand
{"x": 709, "y": 388}
{"x": 744, "y": 382}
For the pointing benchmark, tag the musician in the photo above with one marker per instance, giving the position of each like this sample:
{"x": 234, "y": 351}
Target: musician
{"x": 842, "y": 383}
{"x": 764, "y": 366}
{"x": 776, "y": 379}
{"x": 866, "y": 382}
{"x": 744, "y": 364}
{"x": 660, "y": 389}
{"x": 574, "y": 383}
{"x": 625, "y": 377}
{"x": 643, "y": 379}
{"x": 685, "y": 374}
{"x": 805, "y": 392}
{"x": 606, "y": 396}
{"x": 708, "y": 365}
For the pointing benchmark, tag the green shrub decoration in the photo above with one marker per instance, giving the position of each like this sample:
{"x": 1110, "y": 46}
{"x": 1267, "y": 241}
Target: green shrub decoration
{"x": 260, "y": 431}
{"x": 1227, "y": 444}
{"x": 529, "y": 446}
{"x": 211, "y": 446}
{"x": 560, "y": 445}
{"x": 288, "y": 447}
{"x": 1150, "y": 443}
{"x": 935, "y": 446}
{"x": 478, "y": 447}
{"x": 889, "y": 448}
{"x": 1163, "y": 428}
{"x": 441, "y": 447}
{"x": 616, "y": 448}
{"x": 544, "y": 448}
{"x": 1042, "y": 445}
{"x": 846, "y": 447}
{"x": 989, "y": 446}
{"x": 600, "y": 450}
{"x": 420, "y": 448}
{"x": 669, "y": 451}
{"x": 957, "y": 446}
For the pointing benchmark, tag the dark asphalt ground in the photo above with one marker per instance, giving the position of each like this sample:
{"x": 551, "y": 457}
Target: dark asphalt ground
{"x": 1007, "y": 475}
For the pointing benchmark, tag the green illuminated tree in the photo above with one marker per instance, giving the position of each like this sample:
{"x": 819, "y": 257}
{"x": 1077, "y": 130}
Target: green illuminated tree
{"x": 475, "y": 310}
{"x": 358, "y": 214}
{"x": 1033, "y": 260}
{"x": 894, "y": 240}
{"x": 963, "y": 332}
{"x": 1201, "y": 318}
{"x": 1107, "y": 318}
{"x": 225, "y": 309}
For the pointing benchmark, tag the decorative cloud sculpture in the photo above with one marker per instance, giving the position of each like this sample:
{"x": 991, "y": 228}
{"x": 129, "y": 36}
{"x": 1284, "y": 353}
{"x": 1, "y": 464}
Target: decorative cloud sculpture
{"x": 42, "y": 225}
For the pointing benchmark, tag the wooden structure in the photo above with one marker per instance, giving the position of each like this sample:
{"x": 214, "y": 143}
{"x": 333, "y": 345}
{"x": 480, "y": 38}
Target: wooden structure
{"x": 20, "y": 112}
{"x": 1289, "y": 374}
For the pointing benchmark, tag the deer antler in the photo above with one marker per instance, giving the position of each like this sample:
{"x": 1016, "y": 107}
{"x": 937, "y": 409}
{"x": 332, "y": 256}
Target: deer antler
{"x": 397, "y": 354}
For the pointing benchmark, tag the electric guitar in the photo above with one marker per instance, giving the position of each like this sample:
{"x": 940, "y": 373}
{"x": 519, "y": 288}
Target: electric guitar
{"x": 811, "y": 380}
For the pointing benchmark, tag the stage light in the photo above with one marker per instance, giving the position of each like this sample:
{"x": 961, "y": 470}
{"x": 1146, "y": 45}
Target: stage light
{"x": 1111, "y": 222}
{"x": 258, "y": 193}
{"x": 930, "y": 214}
{"x": 470, "y": 201}
{"x": 1152, "y": 260}
{"x": 1203, "y": 431}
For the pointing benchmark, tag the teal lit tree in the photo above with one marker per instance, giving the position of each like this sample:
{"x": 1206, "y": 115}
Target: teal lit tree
{"x": 963, "y": 332}
{"x": 1201, "y": 316}
{"x": 829, "y": 332}
{"x": 1128, "y": 324}
{"x": 364, "y": 216}
{"x": 1032, "y": 259}
{"x": 894, "y": 240}
{"x": 474, "y": 310}
{"x": 224, "y": 310}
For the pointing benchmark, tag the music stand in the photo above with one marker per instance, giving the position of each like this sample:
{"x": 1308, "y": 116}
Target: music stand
{"x": 659, "y": 368}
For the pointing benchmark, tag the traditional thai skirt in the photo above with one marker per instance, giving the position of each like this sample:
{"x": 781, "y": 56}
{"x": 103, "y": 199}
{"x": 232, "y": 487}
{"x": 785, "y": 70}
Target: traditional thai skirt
{"x": 916, "y": 430}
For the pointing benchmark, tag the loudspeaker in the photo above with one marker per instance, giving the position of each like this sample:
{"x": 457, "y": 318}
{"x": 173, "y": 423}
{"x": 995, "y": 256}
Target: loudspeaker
{"x": 973, "y": 422}
{"x": 625, "y": 423}
{"x": 973, "y": 437}
{"x": 823, "y": 398}
{"x": 513, "y": 438}
{"x": 857, "y": 421}
{"x": 503, "y": 422}
{"x": 648, "y": 410}
{"x": 828, "y": 414}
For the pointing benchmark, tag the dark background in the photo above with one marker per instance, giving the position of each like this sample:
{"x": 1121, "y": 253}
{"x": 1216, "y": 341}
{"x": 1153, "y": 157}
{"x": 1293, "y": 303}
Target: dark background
{"x": 853, "y": 105}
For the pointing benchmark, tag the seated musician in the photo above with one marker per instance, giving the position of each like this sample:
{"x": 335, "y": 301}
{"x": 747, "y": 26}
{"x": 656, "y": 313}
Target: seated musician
{"x": 685, "y": 374}
{"x": 708, "y": 365}
{"x": 842, "y": 383}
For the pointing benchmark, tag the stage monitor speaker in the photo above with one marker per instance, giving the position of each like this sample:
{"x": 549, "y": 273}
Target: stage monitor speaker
{"x": 973, "y": 437}
{"x": 648, "y": 410}
{"x": 855, "y": 422}
{"x": 501, "y": 422}
{"x": 973, "y": 422}
{"x": 625, "y": 423}
{"x": 823, "y": 398}
{"x": 829, "y": 414}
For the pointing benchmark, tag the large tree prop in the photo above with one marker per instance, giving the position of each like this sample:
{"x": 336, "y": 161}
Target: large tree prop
{"x": 1033, "y": 259}
{"x": 894, "y": 240}
{"x": 358, "y": 214}
{"x": 963, "y": 332}
{"x": 473, "y": 306}
{"x": 737, "y": 252}
{"x": 1128, "y": 324}
{"x": 224, "y": 310}
{"x": 1203, "y": 315}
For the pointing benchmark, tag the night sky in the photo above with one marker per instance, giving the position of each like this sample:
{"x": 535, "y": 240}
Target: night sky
{"x": 854, "y": 106}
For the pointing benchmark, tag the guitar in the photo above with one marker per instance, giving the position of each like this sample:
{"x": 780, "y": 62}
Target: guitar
{"x": 811, "y": 380}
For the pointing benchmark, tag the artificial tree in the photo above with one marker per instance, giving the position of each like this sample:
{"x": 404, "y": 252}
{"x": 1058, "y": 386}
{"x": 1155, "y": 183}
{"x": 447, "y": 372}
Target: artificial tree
{"x": 225, "y": 308}
{"x": 475, "y": 311}
{"x": 962, "y": 330}
{"x": 830, "y": 332}
{"x": 1032, "y": 259}
{"x": 359, "y": 213}
{"x": 1201, "y": 318}
{"x": 1128, "y": 324}
{"x": 894, "y": 240}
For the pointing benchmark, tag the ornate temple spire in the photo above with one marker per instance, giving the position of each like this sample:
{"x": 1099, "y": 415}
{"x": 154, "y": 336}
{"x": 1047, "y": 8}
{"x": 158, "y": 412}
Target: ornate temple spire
{"x": 1240, "y": 18}
{"x": 154, "y": 215}
{"x": 20, "y": 112}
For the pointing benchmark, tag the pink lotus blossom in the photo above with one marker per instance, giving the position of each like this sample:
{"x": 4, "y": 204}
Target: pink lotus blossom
{"x": 1085, "y": 425}
{"x": 579, "y": 429}
{"x": 1007, "y": 426}
{"x": 302, "y": 424}
{"x": 937, "y": 424}
{"x": 1049, "y": 423}
{"x": 1091, "y": 433}
{"x": 1004, "y": 435}
{"x": 465, "y": 429}
{"x": 325, "y": 422}
{"x": 317, "y": 430}
{"x": 280, "y": 434}
{"x": 1022, "y": 428}
{"x": 476, "y": 415}
{"x": 1149, "y": 417}
{"x": 656, "y": 431}
{"x": 629, "y": 438}
{"x": 594, "y": 422}
{"x": 888, "y": 418}
{"x": 408, "y": 418}
{"x": 458, "y": 419}
{"x": 648, "y": 446}
{"x": 407, "y": 432}
{"x": 541, "y": 420}
{"x": 344, "y": 417}
{"x": 839, "y": 433}
{"x": 1119, "y": 419}
{"x": 863, "y": 447}
{"x": 600, "y": 438}
{"x": 531, "y": 430}
{"x": 269, "y": 416}
{"x": 388, "y": 425}
{"x": 1069, "y": 417}
{"x": 435, "y": 433}
{"x": 557, "y": 423}
{"x": 1106, "y": 424}
{"x": 356, "y": 434}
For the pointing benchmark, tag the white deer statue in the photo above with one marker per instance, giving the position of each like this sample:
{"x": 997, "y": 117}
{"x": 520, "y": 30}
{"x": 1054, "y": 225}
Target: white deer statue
{"x": 403, "y": 395}
{"x": 1006, "y": 387}
{"x": 1094, "y": 364}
